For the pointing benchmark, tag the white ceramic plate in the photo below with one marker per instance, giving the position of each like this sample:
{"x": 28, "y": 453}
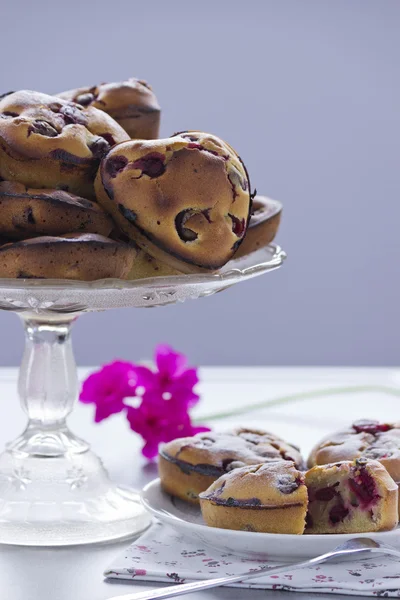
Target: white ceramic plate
{"x": 186, "y": 519}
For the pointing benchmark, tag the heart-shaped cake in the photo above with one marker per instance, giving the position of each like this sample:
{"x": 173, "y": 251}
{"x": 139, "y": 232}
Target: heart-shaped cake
{"x": 185, "y": 200}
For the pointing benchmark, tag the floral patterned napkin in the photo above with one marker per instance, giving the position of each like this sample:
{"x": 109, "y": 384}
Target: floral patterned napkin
{"x": 164, "y": 556}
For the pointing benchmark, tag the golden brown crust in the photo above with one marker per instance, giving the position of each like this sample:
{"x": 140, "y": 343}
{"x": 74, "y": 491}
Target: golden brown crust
{"x": 263, "y": 225}
{"x": 270, "y": 498}
{"x": 132, "y": 103}
{"x": 185, "y": 200}
{"x": 351, "y": 497}
{"x": 188, "y": 465}
{"x": 48, "y": 142}
{"x": 285, "y": 519}
{"x": 27, "y": 212}
{"x": 85, "y": 257}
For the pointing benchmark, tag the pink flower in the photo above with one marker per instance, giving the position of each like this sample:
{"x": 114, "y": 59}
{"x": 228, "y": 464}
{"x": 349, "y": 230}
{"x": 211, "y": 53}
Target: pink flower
{"x": 108, "y": 387}
{"x": 158, "y": 423}
{"x": 163, "y": 407}
{"x": 172, "y": 381}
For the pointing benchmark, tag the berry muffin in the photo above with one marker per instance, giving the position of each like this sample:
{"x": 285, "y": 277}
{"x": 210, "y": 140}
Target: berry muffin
{"x": 185, "y": 200}
{"x": 269, "y": 498}
{"x": 263, "y": 225}
{"x": 47, "y": 142}
{"x": 188, "y": 466}
{"x": 85, "y": 257}
{"x": 132, "y": 103}
{"x": 369, "y": 438}
{"x": 27, "y": 212}
{"x": 351, "y": 497}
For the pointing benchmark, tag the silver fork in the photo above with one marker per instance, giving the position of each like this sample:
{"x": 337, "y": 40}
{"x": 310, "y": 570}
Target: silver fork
{"x": 349, "y": 548}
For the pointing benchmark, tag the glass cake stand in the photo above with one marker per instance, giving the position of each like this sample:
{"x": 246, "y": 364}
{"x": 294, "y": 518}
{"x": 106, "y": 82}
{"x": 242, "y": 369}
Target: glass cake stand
{"x": 53, "y": 490}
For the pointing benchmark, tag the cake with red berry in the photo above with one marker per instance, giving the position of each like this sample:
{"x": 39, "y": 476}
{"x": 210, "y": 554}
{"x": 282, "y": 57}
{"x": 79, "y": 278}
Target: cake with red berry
{"x": 184, "y": 200}
{"x": 47, "y": 142}
{"x": 351, "y": 497}
{"x": 188, "y": 466}
{"x": 268, "y": 498}
{"x": 131, "y": 103}
{"x": 369, "y": 438}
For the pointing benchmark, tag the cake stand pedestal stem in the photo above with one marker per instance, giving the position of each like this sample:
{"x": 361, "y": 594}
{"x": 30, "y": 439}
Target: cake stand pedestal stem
{"x": 54, "y": 491}
{"x": 48, "y": 387}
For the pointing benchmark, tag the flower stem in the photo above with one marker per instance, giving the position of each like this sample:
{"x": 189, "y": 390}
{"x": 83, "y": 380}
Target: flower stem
{"x": 281, "y": 400}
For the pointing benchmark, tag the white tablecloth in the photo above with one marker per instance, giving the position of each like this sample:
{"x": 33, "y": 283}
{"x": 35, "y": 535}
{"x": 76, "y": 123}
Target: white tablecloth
{"x": 76, "y": 573}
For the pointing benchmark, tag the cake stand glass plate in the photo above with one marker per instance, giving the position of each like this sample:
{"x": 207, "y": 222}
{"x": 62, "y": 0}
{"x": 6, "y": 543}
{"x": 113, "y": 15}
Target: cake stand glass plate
{"x": 53, "y": 490}
{"x": 186, "y": 519}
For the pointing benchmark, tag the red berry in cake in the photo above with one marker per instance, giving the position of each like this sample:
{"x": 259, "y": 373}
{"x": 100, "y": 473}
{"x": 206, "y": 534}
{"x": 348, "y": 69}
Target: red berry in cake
{"x": 373, "y": 427}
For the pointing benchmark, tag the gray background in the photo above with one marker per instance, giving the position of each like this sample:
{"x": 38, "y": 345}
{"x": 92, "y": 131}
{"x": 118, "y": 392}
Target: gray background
{"x": 308, "y": 91}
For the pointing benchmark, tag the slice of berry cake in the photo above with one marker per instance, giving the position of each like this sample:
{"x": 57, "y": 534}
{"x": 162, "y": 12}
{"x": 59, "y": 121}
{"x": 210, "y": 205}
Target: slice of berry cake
{"x": 368, "y": 438}
{"x": 268, "y": 498}
{"x": 351, "y": 497}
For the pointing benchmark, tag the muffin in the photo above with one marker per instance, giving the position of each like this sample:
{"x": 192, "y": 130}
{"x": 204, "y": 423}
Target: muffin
{"x": 369, "y": 438}
{"x": 47, "y": 142}
{"x": 268, "y": 498}
{"x": 188, "y": 466}
{"x": 85, "y": 257}
{"x": 184, "y": 200}
{"x": 27, "y": 212}
{"x": 263, "y": 225}
{"x": 132, "y": 103}
{"x": 351, "y": 497}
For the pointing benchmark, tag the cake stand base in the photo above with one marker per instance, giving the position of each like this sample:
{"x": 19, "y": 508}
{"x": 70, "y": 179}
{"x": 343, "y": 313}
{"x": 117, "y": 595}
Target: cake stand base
{"x": 64, "y": 500}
